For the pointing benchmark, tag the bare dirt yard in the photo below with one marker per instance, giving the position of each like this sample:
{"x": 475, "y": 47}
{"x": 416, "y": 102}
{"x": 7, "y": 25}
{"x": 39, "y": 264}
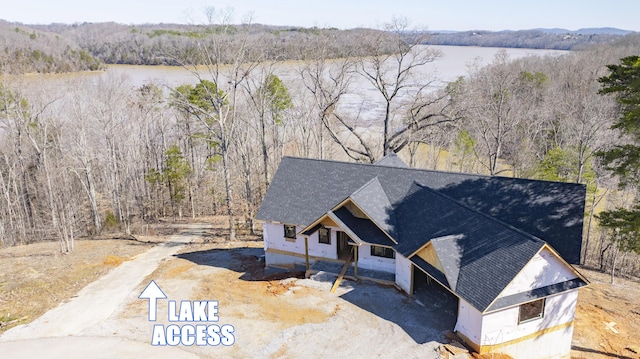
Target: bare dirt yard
{"x": 275, "y": 314}
{"x": 607, "y": 323}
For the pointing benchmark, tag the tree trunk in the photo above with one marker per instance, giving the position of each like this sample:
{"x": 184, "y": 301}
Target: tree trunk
{"x": 265, "y": 154}
{"x": 594, "y": 203}
{"x": 93, "y": 201}
{"x": 228, "y": 190}
{"x": 385, "y": 141}
{"x": 616, "y": 251}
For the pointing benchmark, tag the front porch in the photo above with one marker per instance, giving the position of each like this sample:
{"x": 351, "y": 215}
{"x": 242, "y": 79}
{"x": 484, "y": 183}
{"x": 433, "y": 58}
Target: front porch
{"x": 335, "y": 267}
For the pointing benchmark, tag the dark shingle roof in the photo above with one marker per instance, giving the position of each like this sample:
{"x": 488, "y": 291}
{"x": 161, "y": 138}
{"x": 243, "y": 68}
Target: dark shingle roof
{"x": 537, "y": 293}
{"x": 479, "y": 254}
{"x": 372, "y": 199}
{"x": 363, "y": 228}
{"x": 450, "y": 254}
{"x": 391, "y": 160}
{"x": 484, "y": 229}
{"x": 302, "y": 190}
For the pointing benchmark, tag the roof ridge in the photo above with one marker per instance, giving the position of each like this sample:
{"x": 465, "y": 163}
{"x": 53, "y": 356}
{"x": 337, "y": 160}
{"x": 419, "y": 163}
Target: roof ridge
{"x": 366, "y": 185}
{"x": 480, "y": 175}
{"x": 526, "y": 234}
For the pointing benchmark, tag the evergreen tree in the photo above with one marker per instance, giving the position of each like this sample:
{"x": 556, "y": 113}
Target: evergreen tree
{"x": 174, "y": 175}
{"x": 624, "y": 82}
{"x": 624, "y": 159}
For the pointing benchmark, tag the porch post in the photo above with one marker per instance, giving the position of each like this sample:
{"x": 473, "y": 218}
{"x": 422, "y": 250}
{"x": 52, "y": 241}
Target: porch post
{"x": 306, "y": 252}
{"x": 355, "y": 262}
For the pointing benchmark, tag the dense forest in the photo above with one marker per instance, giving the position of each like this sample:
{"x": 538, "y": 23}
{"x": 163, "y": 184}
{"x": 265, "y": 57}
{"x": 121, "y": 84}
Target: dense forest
{"x": 64, "y": 48}
{"x": 77, "y": 47}
{"x": 529, "y": 39}
{"x": 86, "y": 155}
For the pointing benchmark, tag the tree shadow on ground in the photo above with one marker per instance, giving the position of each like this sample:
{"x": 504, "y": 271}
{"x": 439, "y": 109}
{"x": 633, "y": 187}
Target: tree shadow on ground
{"x": 425, "y": 317}
{"x": 245, "y": 260}
{"x": 594, "y": 351}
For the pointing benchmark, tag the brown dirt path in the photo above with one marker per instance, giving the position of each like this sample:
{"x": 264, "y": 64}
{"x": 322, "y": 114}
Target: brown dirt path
{"x": 100, "y": 299}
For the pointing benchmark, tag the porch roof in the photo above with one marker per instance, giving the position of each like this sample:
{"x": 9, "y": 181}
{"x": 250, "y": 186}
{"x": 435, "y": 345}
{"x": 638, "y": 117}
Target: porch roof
{"x": 365, "y": 229}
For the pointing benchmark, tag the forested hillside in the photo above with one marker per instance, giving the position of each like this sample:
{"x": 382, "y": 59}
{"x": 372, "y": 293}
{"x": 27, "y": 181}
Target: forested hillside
{"x": 94, "y": 153}
{"x": 24, "y": 49}
{"x": 66, "y": 48}
{"x": 78, "y": 47}
{"x": 558, "y": 39}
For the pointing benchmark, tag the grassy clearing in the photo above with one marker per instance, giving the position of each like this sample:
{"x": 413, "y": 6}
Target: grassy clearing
{"x": 35, "y": 278}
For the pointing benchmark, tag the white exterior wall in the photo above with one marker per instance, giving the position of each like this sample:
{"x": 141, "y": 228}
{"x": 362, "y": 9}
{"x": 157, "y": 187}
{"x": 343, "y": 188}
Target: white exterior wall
{"x": 542, "y": 270}
{"x": 274, "y": 239}
{"x": 547, "y": 337}
{"x": 317, "y": 249}
{"x": 502, "y": 326}
{"x": 404, "y": 273}
{"x": 469, "y": 322}
{"x": 555, "y": 344}
{"x": 367, "y": 261}
{"x": 273, "y": 234}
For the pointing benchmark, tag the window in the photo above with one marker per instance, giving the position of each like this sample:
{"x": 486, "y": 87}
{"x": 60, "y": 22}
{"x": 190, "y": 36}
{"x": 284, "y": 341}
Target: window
{"x": 289, "y": 231}
{"x": 530, "y": 311}
{"x": 324, "y": 235}
{"x": 382, "y": 252}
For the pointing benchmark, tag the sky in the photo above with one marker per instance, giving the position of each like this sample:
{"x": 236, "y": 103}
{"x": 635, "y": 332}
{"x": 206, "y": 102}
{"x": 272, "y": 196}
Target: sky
{"x": 493, "y": 15}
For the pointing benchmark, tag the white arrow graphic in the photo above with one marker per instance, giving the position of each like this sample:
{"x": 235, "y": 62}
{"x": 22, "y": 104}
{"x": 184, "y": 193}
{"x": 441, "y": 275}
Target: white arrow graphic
{"x": 152, "y": 292}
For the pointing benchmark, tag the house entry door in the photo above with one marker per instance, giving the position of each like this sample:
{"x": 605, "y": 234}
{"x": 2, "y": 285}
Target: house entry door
{"x": 343, "y": 247}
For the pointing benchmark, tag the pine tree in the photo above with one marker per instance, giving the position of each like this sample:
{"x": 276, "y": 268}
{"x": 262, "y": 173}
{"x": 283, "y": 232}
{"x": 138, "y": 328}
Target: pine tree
{"x": 624, "y": 159}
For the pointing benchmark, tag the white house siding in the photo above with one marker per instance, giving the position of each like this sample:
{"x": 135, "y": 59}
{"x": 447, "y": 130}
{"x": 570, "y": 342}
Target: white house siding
{"x": 542, "y": 270}
{"x": 276, "y": 247}
{"x": 404, "y": 269}
{"x": 555, "y": 344}
{"x": 323, "y": 250}
{"x": 367, "y": 261}
{"x": 554, "y": 329}
{"x": 280, "y": 251}
{"x": 469, "y": 322}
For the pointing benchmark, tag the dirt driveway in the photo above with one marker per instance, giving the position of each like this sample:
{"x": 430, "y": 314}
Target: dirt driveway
{"x": 271, "y": 316}
{"x": 66, "y": 326}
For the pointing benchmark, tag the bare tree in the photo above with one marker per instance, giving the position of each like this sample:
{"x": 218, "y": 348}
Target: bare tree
{"x": 269, "y": 99}
{"x": 392, "y": 67}
{"x": 582, "y": 116}
{"x": 213, "y": 101}
{"x": 327, "y": 82}
{"x": 491, "y": 104}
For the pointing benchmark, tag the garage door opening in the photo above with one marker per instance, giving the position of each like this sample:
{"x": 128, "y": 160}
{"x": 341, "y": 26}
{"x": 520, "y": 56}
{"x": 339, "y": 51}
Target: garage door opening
{"x": 435, "y": 297}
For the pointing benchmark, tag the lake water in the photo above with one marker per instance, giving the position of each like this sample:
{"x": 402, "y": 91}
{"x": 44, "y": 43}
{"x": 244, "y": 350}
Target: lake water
{"x": 362, "y": 99}
{"x": 451, "y": 65}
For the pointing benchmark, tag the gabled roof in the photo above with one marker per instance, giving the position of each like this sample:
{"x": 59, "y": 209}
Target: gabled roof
{"x": 372, "y": 199}
{"x": 363, "y": 228}
{"x": 391, "y": 160}
{"x": 480, "y": 255}
{"x": 303, "y": 190}
{"x": 484, "y": 230}
{"x": 450, "y": 254}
